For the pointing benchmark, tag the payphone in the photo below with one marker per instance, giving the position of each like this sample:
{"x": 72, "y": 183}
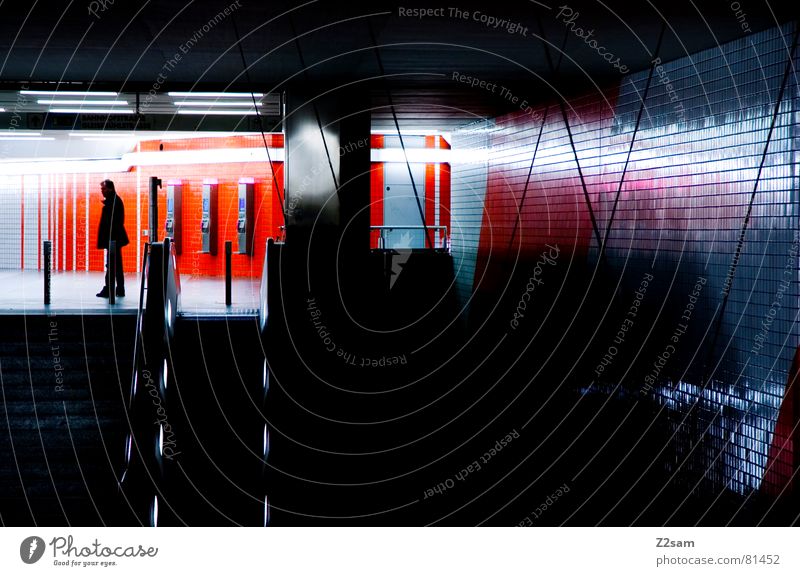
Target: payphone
{"x": 245, "y": 224}
{"x": 172, "y": 224}
{"x": 208, "y": 217}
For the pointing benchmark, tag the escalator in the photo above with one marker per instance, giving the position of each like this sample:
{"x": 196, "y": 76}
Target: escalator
{"x": 178, "y": 432}
{"x": 358, "y": 388}
{"x": 198, "y": 438}
{"x": 63, "y": 381}
{"x": 214, "y": 477}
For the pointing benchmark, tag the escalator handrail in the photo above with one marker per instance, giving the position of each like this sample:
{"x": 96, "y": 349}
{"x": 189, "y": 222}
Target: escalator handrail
{"x": 263, "y": 306}
{"x": 139, "y": 314}
{"x": 172, "y": 285}
{"x": 154, "y": 332}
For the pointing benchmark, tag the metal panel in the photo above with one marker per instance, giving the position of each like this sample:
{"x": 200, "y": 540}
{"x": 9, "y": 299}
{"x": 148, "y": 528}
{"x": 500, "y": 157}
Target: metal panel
{"x": 401, "y": 207}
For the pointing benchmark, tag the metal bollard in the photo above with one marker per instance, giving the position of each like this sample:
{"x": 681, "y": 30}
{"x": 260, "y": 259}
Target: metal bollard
{"x": 111, "y": 266}
{"x": 48, "y": 251}
{"x": 228, "y": 250}
{"x": 155, "y": 184}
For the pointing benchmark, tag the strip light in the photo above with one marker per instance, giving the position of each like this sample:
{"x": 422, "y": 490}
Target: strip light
{"x": 110, "y": 139}
{"x": 100, "y": 134}
{"x": 18, "y": 134}
{"x": 64, "y": 93}
{"x": 62, "y": 167}
{"x": 130, "y": 159}
{"x": 91, "y": 110}
{"x": 25, "y": 138}
{"x": 204, "y": 103}
{"x": 207, "y": 156}
{"x": 425, "y": 155}
{"x": 219, "y": 112}
{"x": 85, "y": 102}
{"x": 404, "y": 132}
{"x": 215, "y": 94}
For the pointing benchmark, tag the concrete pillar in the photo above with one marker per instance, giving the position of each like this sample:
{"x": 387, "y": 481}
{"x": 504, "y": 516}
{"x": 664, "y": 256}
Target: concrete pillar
{"x": 327, "y": 170}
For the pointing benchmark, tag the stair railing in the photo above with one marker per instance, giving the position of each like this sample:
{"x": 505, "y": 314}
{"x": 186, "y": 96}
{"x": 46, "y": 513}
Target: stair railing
{"x": 159, "y": 298}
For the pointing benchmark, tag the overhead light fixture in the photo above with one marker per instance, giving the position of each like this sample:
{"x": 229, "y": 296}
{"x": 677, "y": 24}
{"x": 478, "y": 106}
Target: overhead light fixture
{"x": 18, "y": 134}
{"x": 219, "y": 112}
{"x": 110, "y": 139}
{"x": 64, "y": 93}
{"x": 101, "y": 134}
{"x": 85, "y": 102}
{"x": 59, "y": 166}
{"x": 147, "y": 135}
{"x": 421, "y": 155}
{"x": 205, "y": 103}
{"x": 205, "y": 156}
{"x": 2, "y": 109}
{"x": 215, "y": 94}
{"x": 404, "y": 132}
{"x": 26, "y": 138}
{"x": 91, "y": 110}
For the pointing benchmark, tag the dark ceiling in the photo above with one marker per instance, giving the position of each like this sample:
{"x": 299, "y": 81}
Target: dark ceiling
{"x": 125, "y": 45}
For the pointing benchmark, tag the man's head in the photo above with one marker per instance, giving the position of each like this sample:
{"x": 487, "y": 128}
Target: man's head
{"x": 107, "y": 188}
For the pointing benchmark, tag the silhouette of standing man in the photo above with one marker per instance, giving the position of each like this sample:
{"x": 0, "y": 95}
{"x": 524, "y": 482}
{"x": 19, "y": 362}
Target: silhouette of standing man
{"x": 112, "y": 227}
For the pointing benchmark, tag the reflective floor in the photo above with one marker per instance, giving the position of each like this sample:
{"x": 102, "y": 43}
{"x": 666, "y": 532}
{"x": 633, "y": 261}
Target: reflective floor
{"x": 74, "y": 293}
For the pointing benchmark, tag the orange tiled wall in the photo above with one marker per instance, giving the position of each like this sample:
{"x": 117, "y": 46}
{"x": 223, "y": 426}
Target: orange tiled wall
{"x": 69, "y": 208}
{"x": 190, "y": 261}
{"x": 266, "y": 212}
{"x": 71, "y": 213}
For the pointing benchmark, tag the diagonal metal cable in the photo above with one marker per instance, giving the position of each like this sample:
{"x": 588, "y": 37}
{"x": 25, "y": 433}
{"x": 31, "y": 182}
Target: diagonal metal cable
{"x": 260, "y": 124}
{"x": 633, "y": 140}
{"x": 554, "y": 75}
{"x": 533, "y": 158}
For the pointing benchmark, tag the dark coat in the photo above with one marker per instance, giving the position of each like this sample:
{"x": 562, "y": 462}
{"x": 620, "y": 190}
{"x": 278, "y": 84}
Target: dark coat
{"x": 112, "y": 223}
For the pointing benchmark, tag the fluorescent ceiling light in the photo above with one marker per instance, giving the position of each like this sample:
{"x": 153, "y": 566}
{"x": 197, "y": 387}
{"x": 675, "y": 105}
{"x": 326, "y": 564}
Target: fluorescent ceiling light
{"x": 85, "y": 102}
{"x": 205, "y": 103}
{"x": 154, "y": 135}
{"x": 64, "y": 93}
{"x": 404, "y": 132}
{"x": 219, "y": 112}
{"x": 417, "y": 155}
{"x": 26, "y": 138}
{"x": 18, "y": 134}
{"x": 207, "y": 156}
{"x": 109, "y": 139}
{"x": 2, "y": 109}
{"x": 215, "y": 94}
{"x": 102, "y": 134}
{"x": 56, "y": 166}
{"x": 91, "y": 110}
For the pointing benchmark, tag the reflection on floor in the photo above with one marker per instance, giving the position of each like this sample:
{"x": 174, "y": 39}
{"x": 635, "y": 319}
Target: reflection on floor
{"x": 74, "y": 293}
